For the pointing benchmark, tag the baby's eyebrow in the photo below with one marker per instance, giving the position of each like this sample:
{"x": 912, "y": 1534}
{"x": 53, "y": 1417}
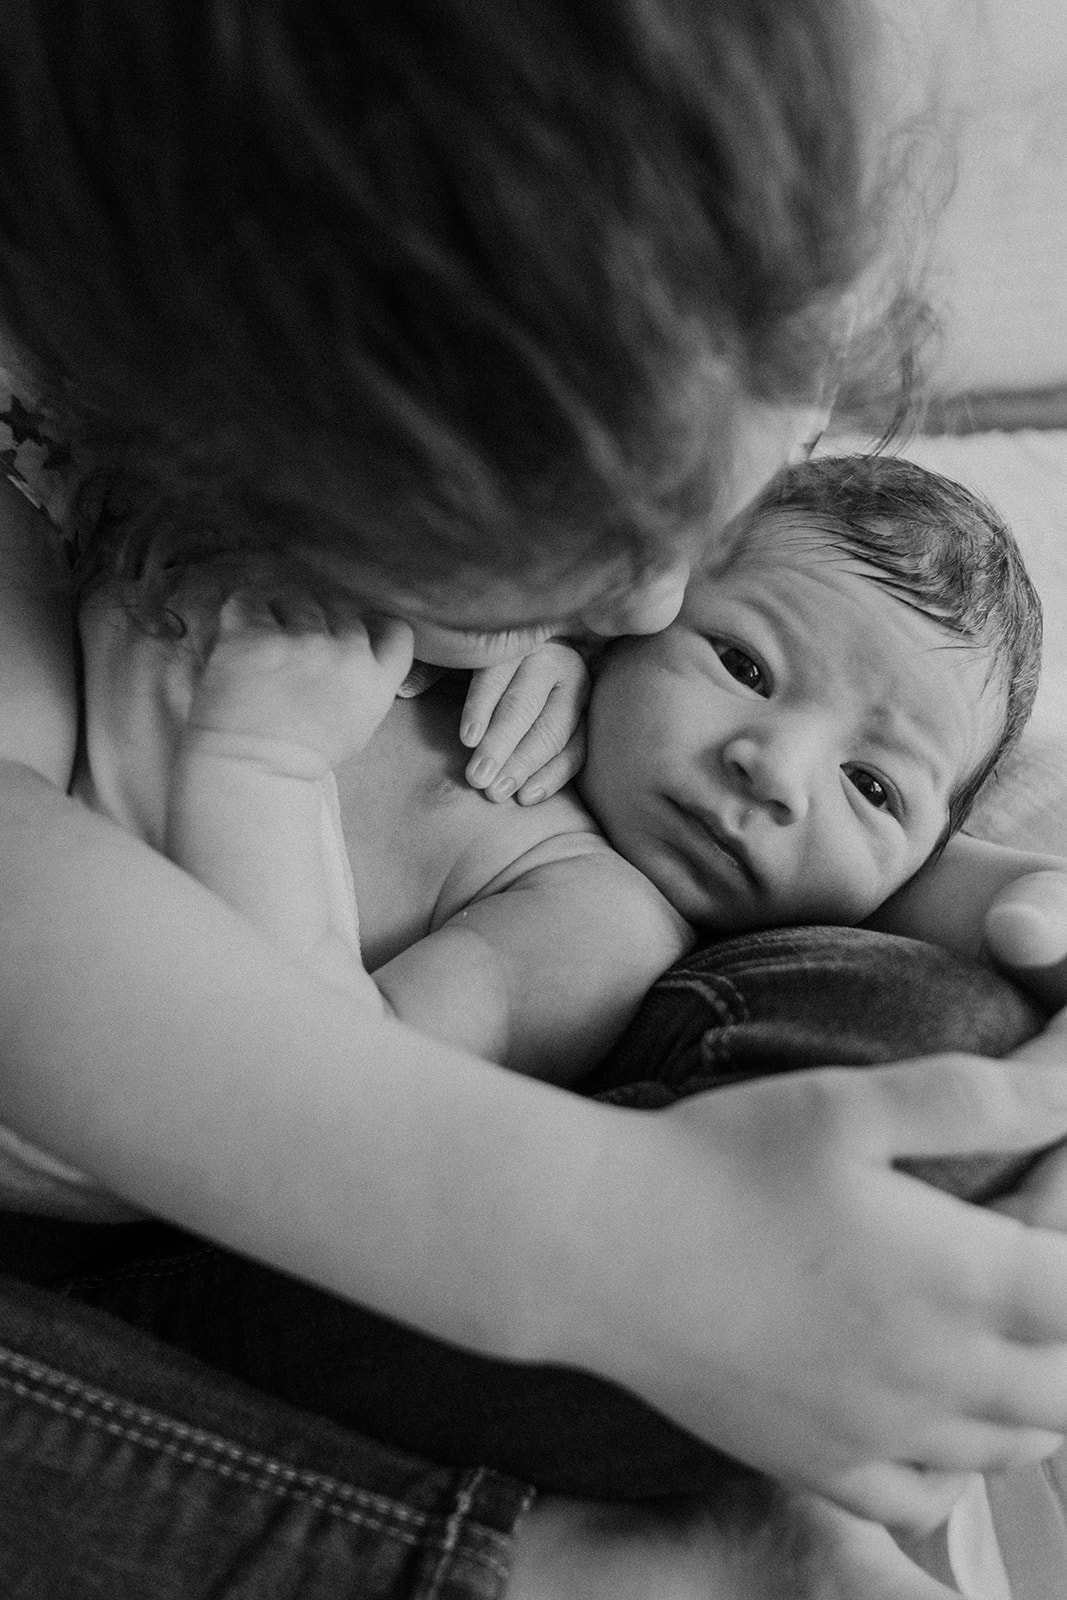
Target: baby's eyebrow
{"x": 906, "y": 735}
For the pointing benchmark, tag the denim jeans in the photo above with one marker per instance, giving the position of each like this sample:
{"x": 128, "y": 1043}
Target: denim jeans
{"x": 268, "y": 1369}
{"x": 131, "y": 1471}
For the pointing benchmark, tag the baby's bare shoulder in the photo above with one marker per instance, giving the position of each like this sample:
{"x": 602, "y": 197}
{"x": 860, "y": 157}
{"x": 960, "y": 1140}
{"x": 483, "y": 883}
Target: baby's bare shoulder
{"x": 505, "y": 842}
{"x": 555, "y": 858}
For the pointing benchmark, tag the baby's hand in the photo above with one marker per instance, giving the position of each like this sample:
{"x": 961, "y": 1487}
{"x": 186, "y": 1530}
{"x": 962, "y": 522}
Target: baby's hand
{"x": 524, "y": 720}
{"x": 287, "y": 692}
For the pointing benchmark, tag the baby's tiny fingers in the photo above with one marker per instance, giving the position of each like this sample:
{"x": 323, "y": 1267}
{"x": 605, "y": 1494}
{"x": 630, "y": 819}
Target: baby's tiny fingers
{"x": 555, "y": 774}
{"x": 519, "y": 740}
{"x": 532, "y": 764}
{"x": 487, "y": 685}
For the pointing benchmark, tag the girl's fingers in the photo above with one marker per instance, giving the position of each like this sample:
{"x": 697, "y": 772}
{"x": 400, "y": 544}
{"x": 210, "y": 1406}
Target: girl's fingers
{"x": 1026, "y": 932}
{"x": 987, "y": 1447}
{"x": 899, "y": 1495}
{"x": 955, "y": 1105}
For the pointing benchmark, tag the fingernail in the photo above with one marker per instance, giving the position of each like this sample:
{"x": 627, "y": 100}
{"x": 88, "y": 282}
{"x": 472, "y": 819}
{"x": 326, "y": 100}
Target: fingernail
{"x": 482, "y": 771}
{"x": 471, "y": 733}
{"x": 531, "y": 797}
{"x": 501, "y": 790}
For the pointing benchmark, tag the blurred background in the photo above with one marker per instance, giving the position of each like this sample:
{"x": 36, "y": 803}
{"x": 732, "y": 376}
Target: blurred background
{"x": 992, "y": 77}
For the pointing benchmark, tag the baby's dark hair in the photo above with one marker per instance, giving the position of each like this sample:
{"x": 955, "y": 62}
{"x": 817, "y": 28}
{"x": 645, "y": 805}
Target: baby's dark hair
{"x": 940, "y": 549}
{"x": 429, "y": 287}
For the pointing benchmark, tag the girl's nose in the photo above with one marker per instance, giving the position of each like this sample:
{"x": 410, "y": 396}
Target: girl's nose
{"x": 648, "y": 606}
{"x": 775, "y": 768}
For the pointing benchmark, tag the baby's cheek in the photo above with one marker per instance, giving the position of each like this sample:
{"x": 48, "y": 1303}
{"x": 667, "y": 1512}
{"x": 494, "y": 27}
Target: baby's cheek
{"x": 849, "y": 884}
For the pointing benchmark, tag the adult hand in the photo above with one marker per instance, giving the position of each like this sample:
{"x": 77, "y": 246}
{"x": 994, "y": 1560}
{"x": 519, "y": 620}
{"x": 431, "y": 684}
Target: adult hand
{"x": 1026, "y": 933}
{"x": 795, "y": 1299}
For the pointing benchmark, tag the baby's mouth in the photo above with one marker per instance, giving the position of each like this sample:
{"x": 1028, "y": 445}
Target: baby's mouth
{"x": 727, "y": 844}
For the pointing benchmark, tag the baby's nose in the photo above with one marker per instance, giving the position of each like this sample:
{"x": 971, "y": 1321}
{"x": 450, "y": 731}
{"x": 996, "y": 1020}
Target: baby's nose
{"x": 774, "y": 770}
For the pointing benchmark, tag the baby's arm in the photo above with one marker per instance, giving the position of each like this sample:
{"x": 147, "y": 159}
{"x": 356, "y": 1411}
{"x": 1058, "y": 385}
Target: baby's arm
{"x": 274, "y": 711}
{"x": 543, "y": 973}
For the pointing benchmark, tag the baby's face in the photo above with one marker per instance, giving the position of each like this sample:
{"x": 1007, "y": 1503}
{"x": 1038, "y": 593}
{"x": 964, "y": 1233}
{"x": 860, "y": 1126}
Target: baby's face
{"x": 786, "y": 750}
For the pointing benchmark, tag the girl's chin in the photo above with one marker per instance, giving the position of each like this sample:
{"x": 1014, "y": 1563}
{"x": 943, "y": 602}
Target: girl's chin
{"x": 459, "y": 647}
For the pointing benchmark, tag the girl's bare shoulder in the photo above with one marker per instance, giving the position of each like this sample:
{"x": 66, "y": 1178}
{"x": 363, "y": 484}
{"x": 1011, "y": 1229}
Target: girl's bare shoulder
{"x": 38, "y": 686}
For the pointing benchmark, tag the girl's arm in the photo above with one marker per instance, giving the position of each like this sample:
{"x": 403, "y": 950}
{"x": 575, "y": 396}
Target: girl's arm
{"x": 750, "y": 1261}
{"x": 39, "y": 719}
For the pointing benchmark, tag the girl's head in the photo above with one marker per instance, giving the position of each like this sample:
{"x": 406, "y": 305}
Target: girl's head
{"x": 390, "y": 297}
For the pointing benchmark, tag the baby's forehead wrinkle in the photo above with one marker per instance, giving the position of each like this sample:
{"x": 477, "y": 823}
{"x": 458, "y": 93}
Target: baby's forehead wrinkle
{"x": 905, "y": 731}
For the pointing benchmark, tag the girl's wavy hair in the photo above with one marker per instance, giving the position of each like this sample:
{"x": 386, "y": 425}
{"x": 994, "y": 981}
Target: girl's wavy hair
{"x": 943, "y": 551}
{"x": 432, "y": 286}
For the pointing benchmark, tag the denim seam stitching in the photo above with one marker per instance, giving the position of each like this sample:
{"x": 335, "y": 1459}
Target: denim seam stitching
{"x": 732, "y": 1010}
{"x": 453, "y": 1528}
{"x": 138, "y": 1271}
{"x": 729, "y": 1011}
{"x": 377, "y": 1513}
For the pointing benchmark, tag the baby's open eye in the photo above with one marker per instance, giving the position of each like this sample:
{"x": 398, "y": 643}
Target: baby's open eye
{"x": 871, "y": 788}
{"x": 740, "y": 665}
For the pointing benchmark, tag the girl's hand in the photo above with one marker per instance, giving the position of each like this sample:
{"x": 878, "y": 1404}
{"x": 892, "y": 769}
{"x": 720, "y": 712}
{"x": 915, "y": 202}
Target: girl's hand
{"x": 524, "y": 720}
{"x": 290, "y": 694}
